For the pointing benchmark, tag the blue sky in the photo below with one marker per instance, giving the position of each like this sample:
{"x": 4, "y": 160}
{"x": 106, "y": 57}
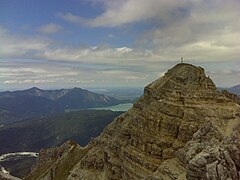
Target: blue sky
{"x": 115, "y": 43}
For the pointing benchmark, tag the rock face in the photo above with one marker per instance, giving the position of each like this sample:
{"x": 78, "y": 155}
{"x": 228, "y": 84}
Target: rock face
{"x": 181, "y": 128}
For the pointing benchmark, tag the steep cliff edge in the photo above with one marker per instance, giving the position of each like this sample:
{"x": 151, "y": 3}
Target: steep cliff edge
{"x": 181, "y": 128}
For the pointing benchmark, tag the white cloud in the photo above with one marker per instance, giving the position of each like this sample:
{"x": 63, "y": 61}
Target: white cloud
{"x": 98, "y": 55}
{"x": 85, "y": 81}
{"x": 50, "y": 28}
{"x": 35, "y": 73}
{"x": 11, "y": 82}
{"x": 15, "y": 46}
{"x": 71, "y": 18}
{"x": 201, "y": 31}
{"x": 110, "y": 35}
{"x": 124, "y": 50}
{"x": 193, "y": 29}
{"x": 118, "y": 13}
{"x": 197, "y": 30}
{"x": 208, "y": 31}
{"x": 29, "y": 81}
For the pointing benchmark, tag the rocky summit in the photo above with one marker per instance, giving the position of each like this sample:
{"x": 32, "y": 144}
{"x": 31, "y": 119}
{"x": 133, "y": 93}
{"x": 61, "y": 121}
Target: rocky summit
{"x": 181, "y": 128}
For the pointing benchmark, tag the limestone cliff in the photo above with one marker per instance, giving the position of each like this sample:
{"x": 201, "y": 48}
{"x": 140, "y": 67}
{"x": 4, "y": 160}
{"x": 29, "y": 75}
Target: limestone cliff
{"x": 181, "y": 128}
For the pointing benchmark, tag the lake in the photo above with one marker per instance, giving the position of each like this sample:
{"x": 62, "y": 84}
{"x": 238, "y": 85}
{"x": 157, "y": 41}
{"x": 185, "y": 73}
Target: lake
{"x": 17, "y": 164}
{"x": 119, "y": 107}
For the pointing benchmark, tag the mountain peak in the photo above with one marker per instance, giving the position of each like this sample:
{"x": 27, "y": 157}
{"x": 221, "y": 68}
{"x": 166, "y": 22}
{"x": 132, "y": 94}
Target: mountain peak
{"x": 35, "y": 89}
{"x": 183, "y": 78}
{"x": 77, "y": 89}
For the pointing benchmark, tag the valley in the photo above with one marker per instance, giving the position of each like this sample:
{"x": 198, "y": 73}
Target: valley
{"x": 33, "y": 119}
{"x": 33, "y": 135}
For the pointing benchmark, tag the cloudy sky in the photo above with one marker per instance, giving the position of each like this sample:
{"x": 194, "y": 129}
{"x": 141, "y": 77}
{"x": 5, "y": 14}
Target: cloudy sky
{"x": 115, "y": 43}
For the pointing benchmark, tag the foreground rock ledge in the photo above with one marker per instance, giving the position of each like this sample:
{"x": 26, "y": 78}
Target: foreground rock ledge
{"x": 181, "y": 128}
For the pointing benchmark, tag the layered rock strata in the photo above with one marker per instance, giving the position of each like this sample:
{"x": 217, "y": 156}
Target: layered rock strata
{"x": 181, "y": 128}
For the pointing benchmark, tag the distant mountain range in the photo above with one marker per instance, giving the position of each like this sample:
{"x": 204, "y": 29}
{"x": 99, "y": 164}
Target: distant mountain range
{"x": 235, "y": 89}
{"x": 35, "y": 102}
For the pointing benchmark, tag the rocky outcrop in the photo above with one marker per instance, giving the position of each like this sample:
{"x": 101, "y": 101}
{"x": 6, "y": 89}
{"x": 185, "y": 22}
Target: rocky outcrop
{"x": 7, "y": 176}
{"x": 56, "y": 163}
{"x": 174, "y": 131}
{"x": 211, "y": 155}
{"x": 232, "y": 96}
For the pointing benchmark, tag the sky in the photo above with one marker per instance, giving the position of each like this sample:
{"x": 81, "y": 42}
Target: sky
{"x": 54, "y": 44}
